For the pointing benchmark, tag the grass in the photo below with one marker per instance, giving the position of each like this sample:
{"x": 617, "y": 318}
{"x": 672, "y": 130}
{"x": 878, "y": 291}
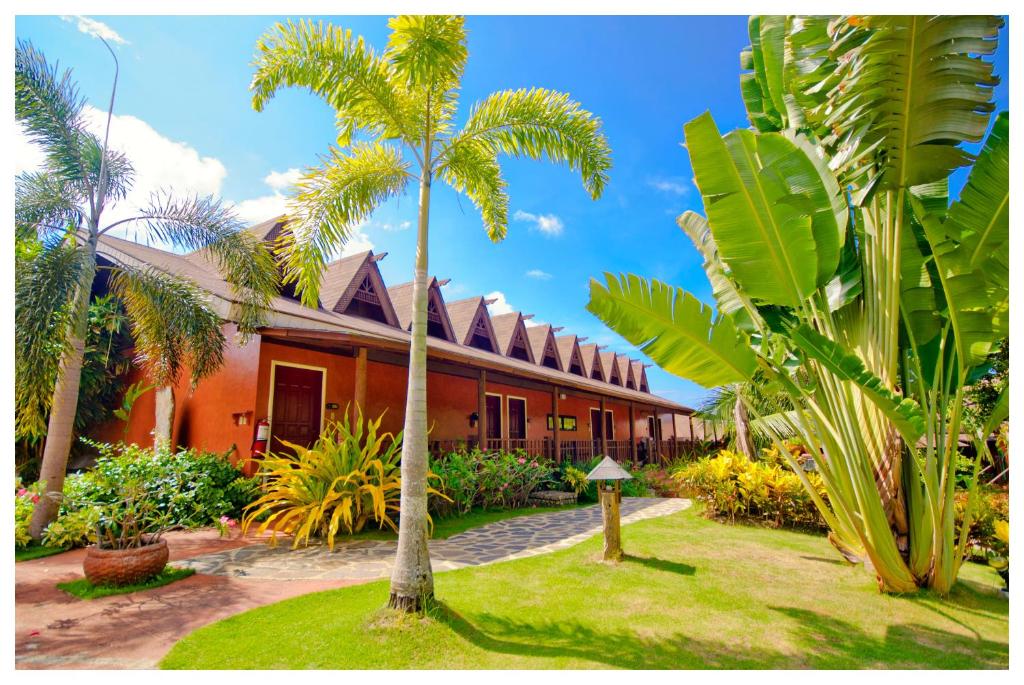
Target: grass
{"x": 83, "y": 589}
{"x": 36, "y": 552}
{"x": 692, "y": 593}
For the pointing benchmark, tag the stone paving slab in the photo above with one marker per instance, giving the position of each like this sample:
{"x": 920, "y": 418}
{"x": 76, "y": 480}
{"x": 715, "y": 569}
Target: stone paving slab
{"x": 513, "y": 538}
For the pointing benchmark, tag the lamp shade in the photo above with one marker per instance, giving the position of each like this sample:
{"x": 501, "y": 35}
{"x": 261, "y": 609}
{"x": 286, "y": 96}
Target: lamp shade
{"x": 608, "y": 470}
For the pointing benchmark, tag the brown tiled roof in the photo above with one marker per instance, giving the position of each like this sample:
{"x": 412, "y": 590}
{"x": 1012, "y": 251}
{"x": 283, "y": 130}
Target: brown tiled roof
{"x": 505, "y": 326}
{"x": 590, "y": 357}
{"x": 566, "y": 344}
{"x": 538, "y": 337}
{"x": 626, "y": 369}
{"x": 338, "y": 276}
{"x": 608, "y": 363}
{"x": 290, "y": 319}
{"x": 463, "y": 314}
{"x": 401, "y": 300}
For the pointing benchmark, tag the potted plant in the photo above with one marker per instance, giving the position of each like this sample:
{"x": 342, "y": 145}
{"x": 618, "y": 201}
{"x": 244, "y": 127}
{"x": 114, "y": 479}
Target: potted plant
{"x": 129, "y": 548}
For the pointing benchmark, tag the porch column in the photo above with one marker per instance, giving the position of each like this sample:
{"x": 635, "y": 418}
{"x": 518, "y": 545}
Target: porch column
{"x": 604, "y": 430}
{"x": 556, "y": 425}
{"x": 360, "y": 393}
{"x": 675, "y": 437}
{"x": 689, "y": 418}
{"x": 632, "y": 433}
{"x": 481, "y": 403}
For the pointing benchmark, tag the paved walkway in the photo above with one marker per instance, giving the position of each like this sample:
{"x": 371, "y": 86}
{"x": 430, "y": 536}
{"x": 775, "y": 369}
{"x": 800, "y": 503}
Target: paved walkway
{"x": 513, "y": 538}
{"x": 56, "y": 630}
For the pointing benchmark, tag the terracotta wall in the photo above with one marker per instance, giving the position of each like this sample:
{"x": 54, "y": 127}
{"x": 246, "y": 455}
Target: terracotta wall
{"x": 202, "y": 417}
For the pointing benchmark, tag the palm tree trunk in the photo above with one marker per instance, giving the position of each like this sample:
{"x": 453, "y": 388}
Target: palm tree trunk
{"x": 164, "y": 425}
{"x": 61, "y": 427}
{"x": 739, "y": 414}
{"x": 412, "y": 581}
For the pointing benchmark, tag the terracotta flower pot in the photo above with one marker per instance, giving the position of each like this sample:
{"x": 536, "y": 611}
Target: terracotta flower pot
{"x": 125, "y": 566}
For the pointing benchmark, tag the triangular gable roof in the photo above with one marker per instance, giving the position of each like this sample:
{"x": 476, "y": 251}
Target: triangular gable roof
{"x": 626, "y": 366}
{"x": 569, "y": 349}
{"x": 640, "y": 376}
{"x": 467, "y": 315}
{"x": 592, "y": 360}
{"x": 611, "y": 367}
{"x": 510, "y": 329}
{"x": 356, "y": 278}
{"x": 542, "y": 340}
{"x": 401, "y": 300}
{"x": 269, "y": 230}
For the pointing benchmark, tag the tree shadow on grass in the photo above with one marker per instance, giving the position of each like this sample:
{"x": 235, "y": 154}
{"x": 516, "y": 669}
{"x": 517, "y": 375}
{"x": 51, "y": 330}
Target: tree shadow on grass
{"x": 816, "y": 641}
{"x": 660, "y": 564}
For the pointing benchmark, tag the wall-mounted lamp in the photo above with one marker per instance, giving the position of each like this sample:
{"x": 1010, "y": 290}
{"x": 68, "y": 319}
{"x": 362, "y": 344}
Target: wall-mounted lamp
{"x": 562, "y": 395}
{"x": 473, "y": 418}
{"x": 241, "y": 418}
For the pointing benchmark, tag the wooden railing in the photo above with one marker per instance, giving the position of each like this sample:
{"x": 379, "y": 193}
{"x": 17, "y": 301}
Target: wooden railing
{"x": 581, "y": 451}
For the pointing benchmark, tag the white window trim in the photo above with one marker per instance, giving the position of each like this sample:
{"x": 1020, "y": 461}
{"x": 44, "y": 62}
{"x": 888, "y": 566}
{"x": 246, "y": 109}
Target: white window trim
{"x": 501, "y": 415}
{"x": 274, "y": 363}
{"x": 526, "y": 415}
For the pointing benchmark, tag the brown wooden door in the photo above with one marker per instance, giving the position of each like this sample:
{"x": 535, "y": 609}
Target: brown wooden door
{"x": 596, "y": 424}
{"x": 298, "y": 398}
{"x": 516, "y": 418}
{"x": 494, "y": 417}
{"x": 609, "y": 425}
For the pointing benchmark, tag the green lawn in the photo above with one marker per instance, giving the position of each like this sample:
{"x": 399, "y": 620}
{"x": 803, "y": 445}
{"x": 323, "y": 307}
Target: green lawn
{"x": 692, "y": 594}
{"x": 83, "y": 589}
{"x": 36, "y": 552}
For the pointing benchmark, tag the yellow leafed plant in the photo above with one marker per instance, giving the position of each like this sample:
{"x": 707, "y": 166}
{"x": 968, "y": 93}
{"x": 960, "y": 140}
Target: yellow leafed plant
{"x": 349, "y": 476}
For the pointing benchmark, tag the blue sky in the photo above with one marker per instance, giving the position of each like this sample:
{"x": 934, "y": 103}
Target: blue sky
{"x": 183, "y": 96}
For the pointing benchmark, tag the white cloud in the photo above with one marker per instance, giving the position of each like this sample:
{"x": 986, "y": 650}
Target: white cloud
{"x": 548, "y": 224}
{"x": 673, "y": 186}
{"x": 96, "y": 29}
{"x": 159, "y": 162}
{"x": 500, "y": 304}
{"x": 400, "y": 226}
{"x": 257, "y": 209}
{"x": 358, "y": 242}
{"x": 281, "y": 181}
{"x": 539, "y": 275}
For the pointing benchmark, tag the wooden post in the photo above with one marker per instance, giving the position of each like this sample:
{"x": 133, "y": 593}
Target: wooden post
{"x": 689, "y": 418}
{"x": 604, "y": 431}
{"x": 360, "y": 392}
{"x": 610, "y": 518}
{"x": 481, "y": 402}
{"x": 556, "y": 425}
{"x": 632, "y": 433}
{"x": 675, "y": 437}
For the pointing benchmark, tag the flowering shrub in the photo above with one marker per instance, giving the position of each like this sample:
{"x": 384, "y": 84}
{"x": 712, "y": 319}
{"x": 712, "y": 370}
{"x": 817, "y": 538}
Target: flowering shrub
{"x": 24, "y": 501}
{"x": 990, "y": 507}
{"x": 491, "y": 480}
{"x": 732, "y": 485}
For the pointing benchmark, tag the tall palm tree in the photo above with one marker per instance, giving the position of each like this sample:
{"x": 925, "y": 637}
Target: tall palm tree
{"x": 843, "y": 273}
{"x": 402, "y": 104}
{"x": 64, "y": 204}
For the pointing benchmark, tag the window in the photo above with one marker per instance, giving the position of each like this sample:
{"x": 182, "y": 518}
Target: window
{"x": 565, "y": 423}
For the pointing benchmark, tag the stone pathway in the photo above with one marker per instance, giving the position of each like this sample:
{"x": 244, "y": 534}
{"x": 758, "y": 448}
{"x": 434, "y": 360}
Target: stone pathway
{"x": 512, "y": 538}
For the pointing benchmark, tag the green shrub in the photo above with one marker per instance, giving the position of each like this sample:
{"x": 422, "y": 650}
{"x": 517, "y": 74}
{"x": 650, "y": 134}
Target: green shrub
{"x": 990, "y": 506}
{"x": 24, "y": 503}
{"x": 730, "y": 484}
{"x": 490, "y": 480}
{"x": 73, "y": 529}
{"x": 194, "y": 488}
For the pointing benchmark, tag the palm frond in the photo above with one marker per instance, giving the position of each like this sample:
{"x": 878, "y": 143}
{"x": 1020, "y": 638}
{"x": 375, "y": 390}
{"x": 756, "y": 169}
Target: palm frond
{"x": 913, "y": 90}
{"x": 172, "y": 324}
{"x": 330, "y": 202}
{"x": 202, "y": 223}
{"x": 428, "y": 50}
{"x": 48, "y": 105}
{"x": 534, "y": 123}
{"x": 46, "y": 278}
{"x": 44, "y": 204}
{"x": 343, "y": 70}
{"x": 674, "y": 329}
{"x": 474, "y": 170}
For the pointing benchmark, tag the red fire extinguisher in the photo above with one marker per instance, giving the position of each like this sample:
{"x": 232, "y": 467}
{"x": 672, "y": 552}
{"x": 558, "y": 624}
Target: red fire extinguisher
{"x": 259, "y": 445}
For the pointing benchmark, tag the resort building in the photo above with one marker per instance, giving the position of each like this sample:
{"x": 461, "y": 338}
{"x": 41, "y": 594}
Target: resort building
{"x": 498, "y": 381}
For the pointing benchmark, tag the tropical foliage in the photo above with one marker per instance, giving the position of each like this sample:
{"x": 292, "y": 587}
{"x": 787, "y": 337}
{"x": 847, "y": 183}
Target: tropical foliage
{"x": 488, "y": 480}
{"x": 766, "y": 491}
{"x": 347, "y": 478}
{"x": 63, "y": 205}
{"x": 396, "y": 114}
{"x": 843, "y": 273}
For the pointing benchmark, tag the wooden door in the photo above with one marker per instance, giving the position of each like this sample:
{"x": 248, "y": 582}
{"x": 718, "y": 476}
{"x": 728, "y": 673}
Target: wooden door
{"x": 516, "y": 418}
{"x": 298, "y": 402}
{"x": 494, "y": 417}
{"x": 596, "y": 424}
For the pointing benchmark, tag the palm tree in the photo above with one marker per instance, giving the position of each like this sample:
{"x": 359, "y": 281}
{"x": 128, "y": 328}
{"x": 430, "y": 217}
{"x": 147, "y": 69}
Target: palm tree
{"x": 842, "y": 272}
{"x": 726, "y": 406}
{"x": 64, "y": 205}
{"x": 402, "y": 103}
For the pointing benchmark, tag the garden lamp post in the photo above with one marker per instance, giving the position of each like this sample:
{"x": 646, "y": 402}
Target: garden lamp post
{"x": 609, "y": 494}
